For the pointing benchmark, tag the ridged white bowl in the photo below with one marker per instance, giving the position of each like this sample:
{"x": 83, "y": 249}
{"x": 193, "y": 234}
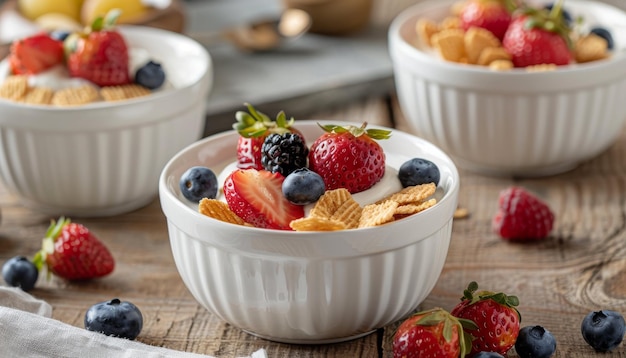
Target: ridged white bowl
{"x": 511, "y": 122}
{"x": 313, "y": 287}
{"x": 104, "y": 159}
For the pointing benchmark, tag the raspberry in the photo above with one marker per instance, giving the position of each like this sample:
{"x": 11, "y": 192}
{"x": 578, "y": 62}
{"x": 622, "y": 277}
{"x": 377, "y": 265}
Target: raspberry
{"x": 522, "y": 216}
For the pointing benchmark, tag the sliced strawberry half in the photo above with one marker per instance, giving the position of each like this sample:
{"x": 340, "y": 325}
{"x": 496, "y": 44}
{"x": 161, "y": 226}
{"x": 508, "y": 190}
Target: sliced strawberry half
{"x": 256, "y": 196}
{"x": 35, "y": 54}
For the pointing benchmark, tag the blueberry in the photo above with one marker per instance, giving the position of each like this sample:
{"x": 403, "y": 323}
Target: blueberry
{"x": 605, "y": 34}
{"x": 488, "y": 355}
{"x": 198, "y": 183}
{"x": 418, "y": 171}
{"x": 19, "y": 272}
{"x": 150, "y": 75}
{"x": 59, "y": 35}
{"x": 114, "y": 318}
{"x": 303, "y": 186}
{"x": 603, "y": 330}
{"x": 535, "y": 342}
{"x": 566, "y": 15}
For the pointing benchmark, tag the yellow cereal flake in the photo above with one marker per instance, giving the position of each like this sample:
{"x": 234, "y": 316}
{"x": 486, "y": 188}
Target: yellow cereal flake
{"x": 414, "y": 208}
{"x": 450, "y": 44}
{"x": 412, "y": 194}
{"x": 313, "y": 223}
{"x": 461, "y": 213}
{"x": 75, "y": 96}
{"x": 218, "y": 210}
{"x": 541, "y": 67}
{"x": 491, "y": 54}
{"x": 38, "y": 95}
{"x": 426, "y": 29}
{"x": 476, "y": 40}
{"x": 378, "y": 214}
{"x": 123, "y": 92}
{"x": 328, "y": 203}
{"x": 14, "y": 87}
{"x": 348, "y": 213}
{"x": 450, "y": 22}
{"x": 590, "y": 48}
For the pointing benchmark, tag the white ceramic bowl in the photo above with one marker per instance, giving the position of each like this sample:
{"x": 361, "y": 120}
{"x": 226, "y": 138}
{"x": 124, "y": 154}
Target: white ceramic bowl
{"x": 104, "y": 159}
{"x": 308, "y": 287}
{"x": 511, "y": 122}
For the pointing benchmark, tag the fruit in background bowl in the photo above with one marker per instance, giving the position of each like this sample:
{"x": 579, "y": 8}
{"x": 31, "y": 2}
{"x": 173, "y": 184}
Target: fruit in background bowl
{"x": 524, "y": 122}
{"x": 33, "y": 9}
{"x": 130, "y": 9}
{"x": 96, "y": 66}
{"x": 123, "y": 144}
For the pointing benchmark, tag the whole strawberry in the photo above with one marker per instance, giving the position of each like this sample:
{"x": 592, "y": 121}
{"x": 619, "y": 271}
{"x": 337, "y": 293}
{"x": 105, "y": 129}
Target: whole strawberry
{"x": 35, "y": 54}
{"x": 522, "y": 216}
{"x": 253, "y": 127}
{"x": 72, "y": 252}
{"x": 432, "y": 334}
{"x": 496, "y": 318}
{"x": 349, "y": 157}
{"x": 493, "y": 15}
{"x": 538, "y": 36}
{"x": 99, "y": 54}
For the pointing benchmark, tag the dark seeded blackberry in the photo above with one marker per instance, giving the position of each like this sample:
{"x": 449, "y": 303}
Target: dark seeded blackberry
{"x": 284, "y": 153}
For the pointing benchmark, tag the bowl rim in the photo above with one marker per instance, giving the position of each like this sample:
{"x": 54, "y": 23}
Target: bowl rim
{"x": 132, "y": 30}
{"x": 180, "y": 214}
{"x": 398, "y": 44}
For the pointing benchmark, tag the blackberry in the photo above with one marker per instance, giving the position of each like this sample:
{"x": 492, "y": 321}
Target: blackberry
{"x": 283, "y": 153}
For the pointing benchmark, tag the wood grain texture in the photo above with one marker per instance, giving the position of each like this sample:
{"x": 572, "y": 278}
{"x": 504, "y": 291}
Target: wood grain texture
{"x": 581, "y": 267}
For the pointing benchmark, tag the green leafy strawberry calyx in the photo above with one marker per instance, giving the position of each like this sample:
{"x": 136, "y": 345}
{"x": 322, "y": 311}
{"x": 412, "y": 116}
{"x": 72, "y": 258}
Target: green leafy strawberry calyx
{"x": 100, "y": 23}
{"x": 47, "y": 246}
{"x": 438, "y": 315}
{"x": 357, "y": 131}
{"x": 472, "y": 294}
{"x": 254, "y": 124}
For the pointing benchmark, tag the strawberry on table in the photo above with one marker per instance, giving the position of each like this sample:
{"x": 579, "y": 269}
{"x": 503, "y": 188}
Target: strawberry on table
{"x": 253, "y": 127}
{"x": 432, "y": 334}
{"x": 99, "y": 54}
{"x": 349, "y": 157}
{"x": 72, "y": 252}
{"x": 538, "y": 36}
{"x": 493, "y": 15}
{"x": 35, "y": 54}
{"x": 522, "y": 216}
{"x": 496, "y": 318}
{"x": 256, "y": 196}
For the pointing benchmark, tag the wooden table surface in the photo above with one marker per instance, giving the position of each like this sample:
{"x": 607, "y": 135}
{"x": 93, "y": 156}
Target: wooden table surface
{"x": 581, "y": 267}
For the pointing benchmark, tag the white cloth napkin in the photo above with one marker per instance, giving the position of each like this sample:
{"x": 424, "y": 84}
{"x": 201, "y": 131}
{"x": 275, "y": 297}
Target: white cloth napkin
{"x": 26, "y": 330}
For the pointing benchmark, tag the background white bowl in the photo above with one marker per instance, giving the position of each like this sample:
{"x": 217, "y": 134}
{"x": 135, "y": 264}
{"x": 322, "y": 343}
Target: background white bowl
{"x": 308, "y": 287}
{"x": 514, "y": 122}
{"x": 105, "y": 158}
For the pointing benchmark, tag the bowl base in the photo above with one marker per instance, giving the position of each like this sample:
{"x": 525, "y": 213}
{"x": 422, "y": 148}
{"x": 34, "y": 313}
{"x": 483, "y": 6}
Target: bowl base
{"x": 75, "y": 212}
{"x": 310, "y": 341}
{"x": 530, "y": 172}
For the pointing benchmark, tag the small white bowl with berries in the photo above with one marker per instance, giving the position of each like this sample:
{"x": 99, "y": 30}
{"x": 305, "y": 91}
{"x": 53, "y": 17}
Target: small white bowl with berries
{"x": 309, "y": 232}
{"x": 532, "y": 89}
{"x": 89, "y": 118}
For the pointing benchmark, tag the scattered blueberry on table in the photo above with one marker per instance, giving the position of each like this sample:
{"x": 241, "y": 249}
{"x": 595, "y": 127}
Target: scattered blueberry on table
{"x": 114, "y": 318}
{"x": 535, "y": 342}
{"x": 18, "y": 271}
{"x": 603, "y": 330}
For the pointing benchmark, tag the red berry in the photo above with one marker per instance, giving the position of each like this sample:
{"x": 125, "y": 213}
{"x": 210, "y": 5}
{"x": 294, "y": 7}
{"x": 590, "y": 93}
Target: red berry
{"x": 496, "y": 318}
{"x": 531, "y": 42}
{"x": 35, "y": 54}
{"x": 348, "y": 157}
{"x": 100, "y": 55}
{"x": 431, "y": 334}
{"x": 256, "y": 196}
{"x": 253, "y": 126}
{"x": 522, "y": 216}
{"x": 72, "y": 252}
{"x": 488, "y": 14}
